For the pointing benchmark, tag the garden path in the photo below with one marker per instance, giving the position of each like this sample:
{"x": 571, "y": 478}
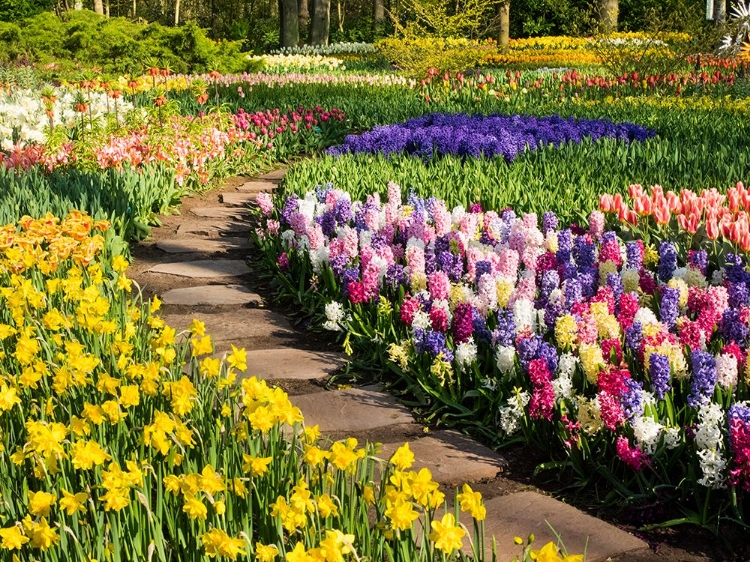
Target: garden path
{"x": 196, "y": 263}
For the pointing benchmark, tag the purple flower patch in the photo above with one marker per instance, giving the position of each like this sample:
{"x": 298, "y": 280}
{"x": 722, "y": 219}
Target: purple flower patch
{"x": 484, "y": 135}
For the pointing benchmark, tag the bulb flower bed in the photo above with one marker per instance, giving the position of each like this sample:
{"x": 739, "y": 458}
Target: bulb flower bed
{"x": 480, "y": 135}
{"x": 25, "y": 115}
{"x": 122, "y": 440}
{"x": 632, "y": 358}
{"x": 198, "y": 149}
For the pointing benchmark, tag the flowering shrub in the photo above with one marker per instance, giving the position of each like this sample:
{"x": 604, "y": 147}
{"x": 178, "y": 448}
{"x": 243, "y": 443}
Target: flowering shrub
{"x": 633, "y": 359}
{"x": 121, "y": 439}
{"x": 479, "y": 135}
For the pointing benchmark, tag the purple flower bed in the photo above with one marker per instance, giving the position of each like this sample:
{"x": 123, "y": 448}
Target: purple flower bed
{"x": 484, "y": 135}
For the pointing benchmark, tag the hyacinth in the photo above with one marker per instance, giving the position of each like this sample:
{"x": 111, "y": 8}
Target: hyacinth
{"x": 591, "y": 333}
{"x": 480, "y": 135}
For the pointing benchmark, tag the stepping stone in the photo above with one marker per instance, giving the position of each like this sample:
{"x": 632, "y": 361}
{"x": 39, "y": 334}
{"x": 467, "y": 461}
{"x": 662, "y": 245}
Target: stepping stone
{"x": 226, "y": 228}
{"x": 275, "y": 175}
{"x": 233, "y": 325}
{"x": 289, "y": 363}
{"x": 529, "y": 512}
{"x": 201, "y": 269}
{"x": 217, "y": 212}
{"x": 202, "y": 245}
{"x": 211, "y": 295}
{"x": 353, "y": 410}
{"x": 452, "y": 457}
{"x": 256, "y": 187}
{"x": 238, "y": 199}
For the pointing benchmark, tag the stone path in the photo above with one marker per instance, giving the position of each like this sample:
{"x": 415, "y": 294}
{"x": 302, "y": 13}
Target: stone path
{"x": 196, "y": 263}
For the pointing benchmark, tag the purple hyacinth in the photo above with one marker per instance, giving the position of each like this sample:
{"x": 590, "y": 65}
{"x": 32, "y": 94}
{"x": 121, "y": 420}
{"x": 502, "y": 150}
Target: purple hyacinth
{"x": 350, "y": 274}
{"x": 631, "y": 398}
{"x": 527, "y": 349}
{"x": 395, "y": 275}
{"x": 549, "y": 354}
{"x": 659, "y": 370}
{"x": 634, "y": 254}
{"x": 738, "y": 294}
{"x": 505, "y": 333}
{"x": 290, "y": 207}
{"x": 479, "y": 326}
{"x": 732, "y": 328}
{"x": 549, "y": 222}
{"x": 670, "y": 306}
{"x": 482, "y": 267}
{"x": 698, "y": 259}
{"x": 432, "y": 342}
{"x": 584, "y": 252}
{"x": 667, "y": 261}
{"x": 703, "y": 382}
{"x": 483, "y": 135}
{"x": 739, "y": 412}
{"x": 552, "y": 311}
{"x": 564, "y": 245}
{"x": 572, "y": 292}
{"x": 550, "y": 282}
{"x": 634, "y": 337}
{"x": 615, "y": 282}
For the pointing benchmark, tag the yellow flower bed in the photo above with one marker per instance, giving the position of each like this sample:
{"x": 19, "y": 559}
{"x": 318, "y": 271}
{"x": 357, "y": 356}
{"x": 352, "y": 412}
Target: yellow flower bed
{"x": 122, "y": 440}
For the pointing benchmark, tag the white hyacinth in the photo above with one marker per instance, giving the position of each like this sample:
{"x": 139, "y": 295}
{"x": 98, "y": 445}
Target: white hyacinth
{"x": 466, "y": 354}
{"x": 335, "y": 316}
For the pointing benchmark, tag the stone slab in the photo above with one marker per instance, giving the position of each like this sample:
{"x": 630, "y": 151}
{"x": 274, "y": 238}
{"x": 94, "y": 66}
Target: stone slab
{"x": 256, "y": 187}
{"x": 217, "y": 212}
{"x": 523, "y": 513}
{"x": 211, "y": 295}
{"x": 452, "y": 457}
{"x": 203, "y": 269}
{"x": 214, "y": 228}
{"x": 202, "y": 245}
{"x": 352, "y": 410}
{"x": 238, "y": 199}
{"x": 290, "y": 363}
{"x": 274, "y": 175}
{"x": 233, "y": 325}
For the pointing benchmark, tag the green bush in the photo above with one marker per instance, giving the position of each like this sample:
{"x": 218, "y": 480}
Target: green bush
{"x": 83, "y": 39}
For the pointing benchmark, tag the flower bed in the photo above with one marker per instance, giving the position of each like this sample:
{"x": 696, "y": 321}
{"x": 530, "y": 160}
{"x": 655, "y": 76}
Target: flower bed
{"x": 479, "y": 135}
{"x": 632, "y": 358}
{"x": 122, "y": 440}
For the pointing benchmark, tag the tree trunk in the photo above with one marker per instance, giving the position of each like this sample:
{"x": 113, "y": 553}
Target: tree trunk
{"x": 99, "y": 7}
{"x": 503, "y": 39}
{"x": 340, "y": 15}
{"x": 176, "y": 13}
{"x": 378, "y": 15}
{"x": 321, "y": 22}
{"x": 608, "y": 12}
{"x": 135, "y": 9}
{"x": 303, "y": 16}
{"x": 720, "y": 12}
{"x": 289, "y": 12}
{"x": 106, "y": 8}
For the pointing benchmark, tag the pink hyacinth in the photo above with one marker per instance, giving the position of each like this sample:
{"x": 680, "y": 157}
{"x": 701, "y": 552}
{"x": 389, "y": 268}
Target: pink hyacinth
{"x": 631, "y": 456}
{"x": 628, "y": 308}
{"x": 357, "y": 292}
{"x": 265, "y": 203}
{"x": 508, "y": 266}
{"x": 542, "y": 402}
{"x": 439, "y": 318}
{"x": 439, "y": 285}
{"x": 408, "y": 309}
{"x": 596, "y": 224}
{"x": 442, "y": 218}
{"x": 273, "y": 226}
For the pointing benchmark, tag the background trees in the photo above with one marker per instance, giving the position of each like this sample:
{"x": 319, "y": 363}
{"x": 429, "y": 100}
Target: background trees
{"x": 267, "y": 24}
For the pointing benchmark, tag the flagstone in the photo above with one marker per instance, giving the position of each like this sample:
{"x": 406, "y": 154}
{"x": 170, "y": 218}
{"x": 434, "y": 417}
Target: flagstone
{"x": 211, "y": 295}
{"x": 200, "y": 269}
{"x": 202, "y": 245}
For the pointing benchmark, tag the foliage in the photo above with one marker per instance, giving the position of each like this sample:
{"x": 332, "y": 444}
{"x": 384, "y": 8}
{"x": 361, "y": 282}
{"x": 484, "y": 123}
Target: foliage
{"x": 417, "y": 55}
{"x": 123, "y": 439}
{"x": 83, "y": 39}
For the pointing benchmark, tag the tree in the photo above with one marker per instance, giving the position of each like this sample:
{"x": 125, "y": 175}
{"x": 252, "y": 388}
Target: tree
{"x": 378, "y": 15}
{"x": 289, "y": 16}
{"x": 321, "y": 22}
{"x": 303, "y": 16}
{"x": 608, "y": 12}
{"x": 99, "y": 7}
{"x": 504, "y": 27}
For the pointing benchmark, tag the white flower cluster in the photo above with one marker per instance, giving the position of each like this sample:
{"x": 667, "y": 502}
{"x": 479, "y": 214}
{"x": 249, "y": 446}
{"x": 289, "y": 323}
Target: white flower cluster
{"x": 343, "y": 48}
{"x": 563, "y": 384}
{"x": 511, "y": 414}
{"x": 24, "y": 121}
{"x": 739, "y": 25}
{"x": 466, "y": 354}
{"x": 283, "y": 64}
{"x": 710, "y": 441}
{"x": 335, "y": 317}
